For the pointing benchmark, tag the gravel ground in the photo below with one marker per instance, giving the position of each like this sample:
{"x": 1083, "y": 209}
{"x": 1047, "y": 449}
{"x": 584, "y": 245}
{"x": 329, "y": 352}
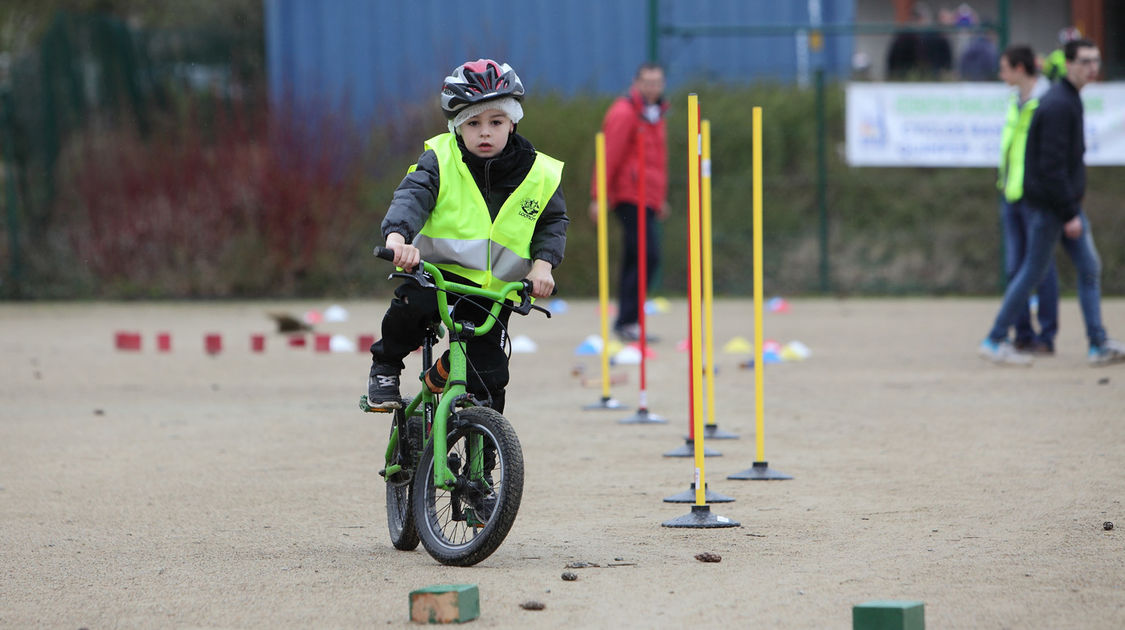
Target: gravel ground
{"x": 181, "y": 490}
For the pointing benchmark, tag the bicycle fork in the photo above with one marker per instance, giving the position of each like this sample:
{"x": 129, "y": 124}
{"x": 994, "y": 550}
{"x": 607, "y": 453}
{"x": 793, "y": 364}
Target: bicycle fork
{"x": 450, "y": 473}
{"x": 455, "y": 391}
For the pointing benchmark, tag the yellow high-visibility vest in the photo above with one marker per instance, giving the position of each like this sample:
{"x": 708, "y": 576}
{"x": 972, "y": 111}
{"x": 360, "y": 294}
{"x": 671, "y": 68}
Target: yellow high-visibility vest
{"x": 460, "y": 235}
{"x": 1013, "y": 147}
{"x": 1054, "y": 66}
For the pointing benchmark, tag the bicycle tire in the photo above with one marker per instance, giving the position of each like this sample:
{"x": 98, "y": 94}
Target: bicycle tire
{"x": 463, "y": 527}
{"x": 400, "y": 497}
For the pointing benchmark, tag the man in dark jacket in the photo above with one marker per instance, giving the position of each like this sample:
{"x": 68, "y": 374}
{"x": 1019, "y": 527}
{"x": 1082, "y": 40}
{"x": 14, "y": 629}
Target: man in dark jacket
{"x": 1054, "y": 185}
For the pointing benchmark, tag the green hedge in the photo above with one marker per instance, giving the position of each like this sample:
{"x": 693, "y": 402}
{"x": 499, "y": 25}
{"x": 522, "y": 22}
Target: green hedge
{"x": 890, "y": 230}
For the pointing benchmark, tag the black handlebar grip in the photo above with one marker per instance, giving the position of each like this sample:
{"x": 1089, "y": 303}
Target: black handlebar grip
{"x": 527, "y": 285}
{"x": 384, "y": 253}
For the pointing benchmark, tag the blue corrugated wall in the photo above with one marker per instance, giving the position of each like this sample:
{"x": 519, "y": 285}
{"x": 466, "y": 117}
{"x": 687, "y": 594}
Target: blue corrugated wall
{"x": 372, "y": 56}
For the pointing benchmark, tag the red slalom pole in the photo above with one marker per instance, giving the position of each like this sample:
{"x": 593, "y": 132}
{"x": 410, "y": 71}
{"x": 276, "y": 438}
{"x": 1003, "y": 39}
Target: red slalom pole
{"x": 642, "y": 416}
{"x": 642, "y": 255}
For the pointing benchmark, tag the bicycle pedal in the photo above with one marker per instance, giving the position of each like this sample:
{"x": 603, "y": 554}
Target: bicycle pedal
{"x": 381, "y": 409}
{"x": 472, "y": 520}
{"x": 384, "y": 407}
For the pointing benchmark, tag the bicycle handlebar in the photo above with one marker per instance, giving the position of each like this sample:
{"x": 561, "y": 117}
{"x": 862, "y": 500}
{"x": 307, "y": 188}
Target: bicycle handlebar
{"x": 427, "y": 275}
{"x": 385, "y": 253}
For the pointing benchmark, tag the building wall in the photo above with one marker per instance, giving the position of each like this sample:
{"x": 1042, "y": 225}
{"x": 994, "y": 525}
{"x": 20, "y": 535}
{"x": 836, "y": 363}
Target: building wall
{"x": 374, "y": 56}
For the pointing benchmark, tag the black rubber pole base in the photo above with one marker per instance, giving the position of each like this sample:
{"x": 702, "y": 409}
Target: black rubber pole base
{"x": 642, "y": 417}
{"x": 688, "y": 450}
{"x": 688, "y": 496}
{"x": 700, "y": 517}
{"x": 606, "y": 403}
{"x": 713, "y": 432}
{"x": 761, "y": 471}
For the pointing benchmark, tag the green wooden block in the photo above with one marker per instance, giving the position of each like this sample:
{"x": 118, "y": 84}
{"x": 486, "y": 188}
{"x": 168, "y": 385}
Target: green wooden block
{"x": 445, "y": 603}
{"x": 888, "y": 615}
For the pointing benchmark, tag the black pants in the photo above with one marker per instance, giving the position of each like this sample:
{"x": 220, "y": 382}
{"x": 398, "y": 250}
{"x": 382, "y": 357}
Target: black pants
{"x": 627, "y": 310}
{"x": 413, "y": 309}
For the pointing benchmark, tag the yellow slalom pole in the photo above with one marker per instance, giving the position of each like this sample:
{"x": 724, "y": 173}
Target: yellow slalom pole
{"x": 760, "y": 470}
{"x": 606, "y": 401}
{"x": 603, "y": 264}
{"x": 759, "y": 366}
{"x": 708, "y": 281}
{"x": 693, "y": 290}
{"x": 700, "y": 515}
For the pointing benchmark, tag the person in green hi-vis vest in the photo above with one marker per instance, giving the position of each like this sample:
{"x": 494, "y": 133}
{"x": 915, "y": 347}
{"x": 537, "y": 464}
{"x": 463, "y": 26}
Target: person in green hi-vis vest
{"x": 1017, "y": 69}
{"x": 1054, "y": 66}
{"x": 486, "y": 208}
{"x": 1054, "y": 186}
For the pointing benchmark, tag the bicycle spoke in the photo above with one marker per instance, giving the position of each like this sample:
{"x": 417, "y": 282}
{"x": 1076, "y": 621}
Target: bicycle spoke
{"x": 464, "y": 524}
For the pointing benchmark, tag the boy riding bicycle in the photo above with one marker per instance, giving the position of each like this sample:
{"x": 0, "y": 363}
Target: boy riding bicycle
{"x": 486, "y": 208}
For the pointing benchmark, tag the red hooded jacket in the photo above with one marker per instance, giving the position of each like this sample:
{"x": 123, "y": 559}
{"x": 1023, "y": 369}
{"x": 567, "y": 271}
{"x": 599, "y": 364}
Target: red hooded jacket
{"x": 623, "y": 122}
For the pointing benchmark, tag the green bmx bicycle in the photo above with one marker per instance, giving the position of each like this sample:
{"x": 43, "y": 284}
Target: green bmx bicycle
{"x": 454, "y": 468}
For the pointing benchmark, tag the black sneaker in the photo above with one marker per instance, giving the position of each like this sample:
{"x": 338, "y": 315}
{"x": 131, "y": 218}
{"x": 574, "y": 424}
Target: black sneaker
{"x": 382, "y": 388}
{"x": 1037, "y": 347}
{"x": 629, "y": 333}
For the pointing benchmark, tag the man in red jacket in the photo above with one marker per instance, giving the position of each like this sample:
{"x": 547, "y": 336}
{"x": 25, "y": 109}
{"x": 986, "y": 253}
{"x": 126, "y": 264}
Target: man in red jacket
{"x": 639, "y": 114}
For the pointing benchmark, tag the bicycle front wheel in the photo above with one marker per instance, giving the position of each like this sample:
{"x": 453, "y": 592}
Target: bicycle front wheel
{"x": 400, "y": 514}
{"x": 466, "y": 524}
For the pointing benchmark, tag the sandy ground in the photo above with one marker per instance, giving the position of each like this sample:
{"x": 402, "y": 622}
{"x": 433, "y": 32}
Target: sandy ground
{"x": 179, "y": 490}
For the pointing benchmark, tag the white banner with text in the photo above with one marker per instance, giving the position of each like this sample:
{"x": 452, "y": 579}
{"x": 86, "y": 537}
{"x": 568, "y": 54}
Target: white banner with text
{"x": 959, "y": 124}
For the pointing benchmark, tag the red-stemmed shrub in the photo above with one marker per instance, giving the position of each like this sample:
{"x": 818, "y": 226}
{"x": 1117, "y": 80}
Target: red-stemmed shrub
{"x": 221, "y": 203}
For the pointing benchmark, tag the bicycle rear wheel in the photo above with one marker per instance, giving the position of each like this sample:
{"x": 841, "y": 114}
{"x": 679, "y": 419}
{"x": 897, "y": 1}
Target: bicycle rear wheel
{"x": 462, "y": 526}
{"x": 400, "y": 493}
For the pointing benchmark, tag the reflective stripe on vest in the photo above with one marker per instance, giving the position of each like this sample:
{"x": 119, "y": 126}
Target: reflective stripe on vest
{"x": 1013, "y": 147}
{"x": 460, "y": 235}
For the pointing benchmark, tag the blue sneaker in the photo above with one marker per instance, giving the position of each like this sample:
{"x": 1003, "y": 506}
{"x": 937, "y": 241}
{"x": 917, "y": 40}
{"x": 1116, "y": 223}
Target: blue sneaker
{"x": 1002, "y": 353}
{"x": 1109, "y": 352}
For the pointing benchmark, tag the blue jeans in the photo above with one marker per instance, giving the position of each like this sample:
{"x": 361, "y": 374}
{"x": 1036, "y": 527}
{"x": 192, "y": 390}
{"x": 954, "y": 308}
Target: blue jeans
{"x": 1045, "y": 229}
{"x": 1014, "y": 217}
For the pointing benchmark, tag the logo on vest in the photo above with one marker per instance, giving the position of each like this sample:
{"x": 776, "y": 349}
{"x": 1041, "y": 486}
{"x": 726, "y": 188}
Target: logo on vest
{"x": 530, "y": 209}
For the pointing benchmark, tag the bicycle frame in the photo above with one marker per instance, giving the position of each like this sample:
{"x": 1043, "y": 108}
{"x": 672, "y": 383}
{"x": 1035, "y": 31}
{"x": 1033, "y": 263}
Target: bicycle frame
{"x": 436, "y": 409}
